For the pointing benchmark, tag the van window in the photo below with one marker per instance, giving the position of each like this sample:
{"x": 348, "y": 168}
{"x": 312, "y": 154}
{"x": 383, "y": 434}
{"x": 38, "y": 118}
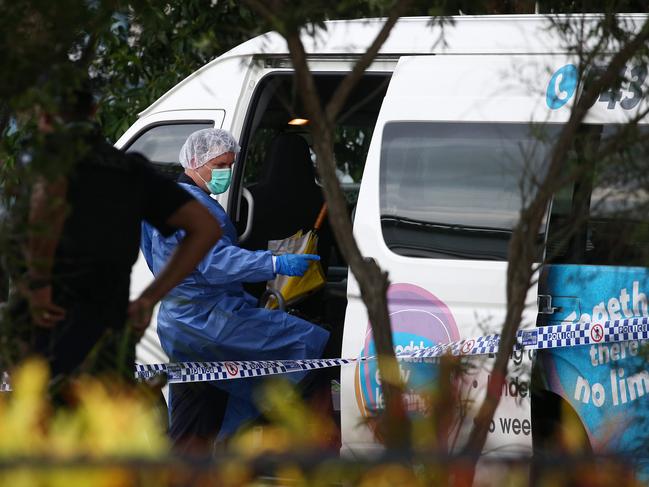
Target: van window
{"x": 453, "y": 190}
{"x": 161, "y": 143}
{"x": 603, "y": 217}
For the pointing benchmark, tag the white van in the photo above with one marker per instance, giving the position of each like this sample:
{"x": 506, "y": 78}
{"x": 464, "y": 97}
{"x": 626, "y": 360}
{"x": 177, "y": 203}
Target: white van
{"x": 431, "y": 148}
{"x": 456, "y": 146}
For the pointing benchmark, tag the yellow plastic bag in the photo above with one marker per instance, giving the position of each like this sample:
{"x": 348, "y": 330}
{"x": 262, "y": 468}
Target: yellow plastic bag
{"x": 296, "y": 288}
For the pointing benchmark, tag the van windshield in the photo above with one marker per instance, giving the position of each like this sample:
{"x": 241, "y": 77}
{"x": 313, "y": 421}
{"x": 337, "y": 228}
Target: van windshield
{"x": 455, "y": 190}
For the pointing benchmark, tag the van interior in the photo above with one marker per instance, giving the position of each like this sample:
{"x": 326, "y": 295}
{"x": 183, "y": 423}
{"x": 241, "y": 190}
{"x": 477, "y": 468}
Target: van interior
{"x": 277, "y": 167}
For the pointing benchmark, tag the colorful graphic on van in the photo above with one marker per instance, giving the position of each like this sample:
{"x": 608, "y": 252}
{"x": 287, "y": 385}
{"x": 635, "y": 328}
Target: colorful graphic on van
{"x": 562, "y": 86}
{"x": 606, "y": 384}
{"x": 419, "y": 319}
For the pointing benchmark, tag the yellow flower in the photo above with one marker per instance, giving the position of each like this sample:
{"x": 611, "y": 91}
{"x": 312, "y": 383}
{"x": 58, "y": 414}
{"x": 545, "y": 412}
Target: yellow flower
{"x": 23, "y": 414}
{"x": 106, "y": 423}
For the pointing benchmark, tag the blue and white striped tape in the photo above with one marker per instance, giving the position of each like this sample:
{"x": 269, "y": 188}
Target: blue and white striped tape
{"x": 211, "y": 371}
{"x": 541, "y": 338}
{"x": 5, "y": 385}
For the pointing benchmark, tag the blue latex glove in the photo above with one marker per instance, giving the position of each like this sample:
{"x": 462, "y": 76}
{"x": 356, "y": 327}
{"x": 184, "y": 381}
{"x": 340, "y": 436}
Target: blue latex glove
{"x": 294, "y": 264}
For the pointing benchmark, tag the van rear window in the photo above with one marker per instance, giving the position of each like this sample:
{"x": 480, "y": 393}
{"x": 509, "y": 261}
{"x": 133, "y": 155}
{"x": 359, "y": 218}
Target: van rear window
{"x": 454, "y": 190}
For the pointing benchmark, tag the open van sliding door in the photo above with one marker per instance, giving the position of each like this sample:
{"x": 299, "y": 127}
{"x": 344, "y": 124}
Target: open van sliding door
{"x": 449, "y": 166}
{"x": 275, "y": 173}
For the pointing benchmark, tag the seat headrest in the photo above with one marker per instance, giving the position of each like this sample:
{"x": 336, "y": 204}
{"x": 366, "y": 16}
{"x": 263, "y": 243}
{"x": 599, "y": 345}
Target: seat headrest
{"x": 288, "y": 159}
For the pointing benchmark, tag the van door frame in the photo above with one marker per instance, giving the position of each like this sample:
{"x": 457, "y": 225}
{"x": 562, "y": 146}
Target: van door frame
{"x": 264, "y": 66}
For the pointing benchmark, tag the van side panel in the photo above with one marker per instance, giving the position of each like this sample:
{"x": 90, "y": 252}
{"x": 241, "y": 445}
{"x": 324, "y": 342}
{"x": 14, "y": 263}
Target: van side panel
{"x": 433, "y": 300}
{"x": 606, "y": 384}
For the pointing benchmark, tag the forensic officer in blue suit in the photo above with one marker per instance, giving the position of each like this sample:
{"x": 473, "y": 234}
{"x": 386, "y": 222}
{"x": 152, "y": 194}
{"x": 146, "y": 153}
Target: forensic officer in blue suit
{"x": 209, "y": 316}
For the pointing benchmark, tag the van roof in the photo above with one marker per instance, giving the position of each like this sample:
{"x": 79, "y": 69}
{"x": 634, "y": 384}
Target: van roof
{"x": 423, "y": 35}
{"x": 492, "y": 34}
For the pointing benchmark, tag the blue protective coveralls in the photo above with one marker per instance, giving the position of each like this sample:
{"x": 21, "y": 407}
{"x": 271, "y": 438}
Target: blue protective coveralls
{"x": 209, "y": 316}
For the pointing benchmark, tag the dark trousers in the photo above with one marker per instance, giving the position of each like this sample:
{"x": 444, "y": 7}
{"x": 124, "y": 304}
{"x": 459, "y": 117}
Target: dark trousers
{"x": 92, "y": 339}
{"x": 197, "y": 409}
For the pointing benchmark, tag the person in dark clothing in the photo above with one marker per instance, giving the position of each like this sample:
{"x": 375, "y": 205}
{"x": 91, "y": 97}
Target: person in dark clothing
{"x": 84, "y": 235}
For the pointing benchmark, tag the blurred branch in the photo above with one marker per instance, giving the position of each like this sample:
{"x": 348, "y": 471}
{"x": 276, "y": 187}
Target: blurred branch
{"x": 343, "y": 90}
{"x": 373, "y": 282}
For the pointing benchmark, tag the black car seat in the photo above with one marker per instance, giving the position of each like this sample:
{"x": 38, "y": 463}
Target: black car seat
{"x": 286, "y": 199}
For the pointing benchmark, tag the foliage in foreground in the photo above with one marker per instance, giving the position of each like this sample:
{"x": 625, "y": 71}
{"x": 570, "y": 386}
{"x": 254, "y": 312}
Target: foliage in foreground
{"x": 105, "y": 421}
{"x": 112, "y": 436}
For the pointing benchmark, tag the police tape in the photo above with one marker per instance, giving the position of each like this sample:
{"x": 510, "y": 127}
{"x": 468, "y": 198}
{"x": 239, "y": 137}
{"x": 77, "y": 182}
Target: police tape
{"x": 541, "y": 338}
{"x": 212, "y": 371}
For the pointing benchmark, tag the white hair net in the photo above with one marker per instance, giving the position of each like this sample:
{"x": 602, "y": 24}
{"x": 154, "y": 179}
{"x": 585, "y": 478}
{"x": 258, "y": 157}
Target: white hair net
{"x": 206, "y": 144}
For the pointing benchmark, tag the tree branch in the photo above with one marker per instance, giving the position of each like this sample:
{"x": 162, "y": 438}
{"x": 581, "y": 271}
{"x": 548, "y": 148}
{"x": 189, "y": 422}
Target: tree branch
{"x": 372, "y": 280}
{"x": 521, "y": 247}
{"x": 343, "y": 90}
{"x": 393, "y": 422}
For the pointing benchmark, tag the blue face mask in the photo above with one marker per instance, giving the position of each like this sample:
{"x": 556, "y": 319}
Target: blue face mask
{"x": 220, "y": 181}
